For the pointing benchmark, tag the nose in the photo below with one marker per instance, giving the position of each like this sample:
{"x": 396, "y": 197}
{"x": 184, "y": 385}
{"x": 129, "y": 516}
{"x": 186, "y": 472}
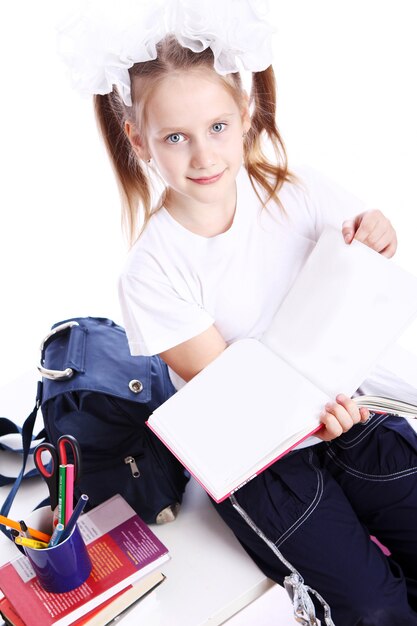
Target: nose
{"x": 203, "y": 156}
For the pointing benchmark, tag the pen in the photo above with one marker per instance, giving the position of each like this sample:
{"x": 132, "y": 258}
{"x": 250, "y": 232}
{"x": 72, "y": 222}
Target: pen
{"x": 15, "y": 533}
{"x": 56, "y": 535}
{"x": 24, "y": 528}
{"x": 37, "y": 534}
{"x": 79, "y": 507}
{"x": 30, "y": 543}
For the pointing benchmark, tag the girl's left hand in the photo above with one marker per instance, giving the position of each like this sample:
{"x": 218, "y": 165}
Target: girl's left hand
{"x": 338, "y": 417}
{"x": 373, "y": 229}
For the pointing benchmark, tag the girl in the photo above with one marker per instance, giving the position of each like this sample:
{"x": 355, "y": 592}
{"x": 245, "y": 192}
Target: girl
{"x": 211, "y": 263}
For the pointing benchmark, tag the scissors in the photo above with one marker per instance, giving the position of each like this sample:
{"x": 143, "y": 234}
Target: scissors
{"x": 59, "y": 457}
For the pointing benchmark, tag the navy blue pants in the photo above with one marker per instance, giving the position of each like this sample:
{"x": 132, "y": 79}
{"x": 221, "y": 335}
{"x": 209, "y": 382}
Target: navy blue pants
{"x": 320, "y": 505}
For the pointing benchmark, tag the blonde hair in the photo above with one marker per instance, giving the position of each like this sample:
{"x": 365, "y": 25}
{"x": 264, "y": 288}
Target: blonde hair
{"x": 131, "y": 175}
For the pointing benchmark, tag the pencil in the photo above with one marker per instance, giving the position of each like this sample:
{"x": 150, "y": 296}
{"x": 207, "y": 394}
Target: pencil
{"x": 69, "y": 492}
{"x": 36, "y": 534}
{"x": 56, "y": 535}
{"x": 61, "y": 493}
{"x": 79, "y": 507}
{"x": 31, "y": 543}
{"x": 24, "y": 528}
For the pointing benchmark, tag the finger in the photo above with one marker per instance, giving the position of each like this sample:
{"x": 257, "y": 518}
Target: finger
{"x": 348, "y": 230}
{"x": 381, "y": 237}
{"x": 377, "y": 232}
{"x": 350, "y": 406}
{"x": 332, "y": 427}
{"x": 364, "y": 413}
{"x": 391, "y": 249}
{"x": 341, "y": 414}
{"x": 370, "y": 231}
{"x": 336, "y": 420}
{"x": 378, "y": 243}
{"x": 361, "y": 226}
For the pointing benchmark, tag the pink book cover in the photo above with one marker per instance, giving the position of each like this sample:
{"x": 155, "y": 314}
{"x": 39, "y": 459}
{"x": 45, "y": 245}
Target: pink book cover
{"x": 225, "y": 496}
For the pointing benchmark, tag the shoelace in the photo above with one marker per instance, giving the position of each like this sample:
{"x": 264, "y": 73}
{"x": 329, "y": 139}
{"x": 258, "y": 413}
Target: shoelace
{"x": 298, "y": 591}
{"x": 303, "y": 606}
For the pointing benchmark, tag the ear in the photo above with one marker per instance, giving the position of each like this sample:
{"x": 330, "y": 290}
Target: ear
{"x": 136, "y": 142}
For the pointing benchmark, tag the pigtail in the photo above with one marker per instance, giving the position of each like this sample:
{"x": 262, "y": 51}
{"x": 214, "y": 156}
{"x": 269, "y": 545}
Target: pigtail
{"x": 269, "y": 175}
{"x": 133, "y": 183}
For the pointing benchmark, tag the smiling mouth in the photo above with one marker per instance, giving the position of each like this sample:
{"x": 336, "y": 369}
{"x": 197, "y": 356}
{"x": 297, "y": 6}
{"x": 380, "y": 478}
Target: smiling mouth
{"x": 208, "y": 180}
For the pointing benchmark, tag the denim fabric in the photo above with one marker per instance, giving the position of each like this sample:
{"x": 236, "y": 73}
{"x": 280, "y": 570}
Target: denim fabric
{"x": 320, "y": 505}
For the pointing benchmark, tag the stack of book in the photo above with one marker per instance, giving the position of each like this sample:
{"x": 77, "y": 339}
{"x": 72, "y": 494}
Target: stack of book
{"x": 126, "y": 557}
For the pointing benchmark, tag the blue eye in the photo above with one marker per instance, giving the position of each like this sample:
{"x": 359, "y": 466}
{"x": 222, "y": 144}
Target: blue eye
{"x": 218, "y": 127}
{"x": 175, "y": 138}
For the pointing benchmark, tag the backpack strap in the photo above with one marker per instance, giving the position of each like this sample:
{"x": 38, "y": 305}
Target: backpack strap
{"x": 27, "y": 438}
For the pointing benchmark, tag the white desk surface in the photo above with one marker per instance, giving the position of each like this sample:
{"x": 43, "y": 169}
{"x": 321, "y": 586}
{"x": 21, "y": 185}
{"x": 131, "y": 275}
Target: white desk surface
{"x": 209, "y": 577}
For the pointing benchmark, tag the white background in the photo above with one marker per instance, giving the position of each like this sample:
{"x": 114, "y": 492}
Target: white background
{"x": 347, "y": 102}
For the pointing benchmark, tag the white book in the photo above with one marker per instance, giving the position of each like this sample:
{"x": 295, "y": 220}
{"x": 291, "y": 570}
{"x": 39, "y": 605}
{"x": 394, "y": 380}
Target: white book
{"x": 259, "y": 399}
{"x": 346, "y": 307}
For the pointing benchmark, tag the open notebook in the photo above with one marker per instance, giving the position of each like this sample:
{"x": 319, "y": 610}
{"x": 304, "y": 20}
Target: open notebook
{"x": 259, "y": 399}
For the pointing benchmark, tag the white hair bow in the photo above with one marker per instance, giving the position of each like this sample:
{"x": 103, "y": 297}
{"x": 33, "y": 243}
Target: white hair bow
{"x": 104, "y": 38}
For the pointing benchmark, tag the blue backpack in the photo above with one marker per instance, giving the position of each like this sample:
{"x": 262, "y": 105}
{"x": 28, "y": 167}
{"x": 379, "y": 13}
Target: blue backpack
{"x": 93, "y": 389}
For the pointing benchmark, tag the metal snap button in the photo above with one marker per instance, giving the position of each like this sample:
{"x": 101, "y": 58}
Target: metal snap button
{"x": 135, "y": 386}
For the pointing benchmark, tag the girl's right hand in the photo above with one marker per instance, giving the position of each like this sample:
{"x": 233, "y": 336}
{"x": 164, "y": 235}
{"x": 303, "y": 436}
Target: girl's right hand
{"x": 338, "y": 417}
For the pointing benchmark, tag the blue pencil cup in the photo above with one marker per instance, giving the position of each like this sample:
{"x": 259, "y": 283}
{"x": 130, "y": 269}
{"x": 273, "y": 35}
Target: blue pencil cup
{"x": 62, "y": 567}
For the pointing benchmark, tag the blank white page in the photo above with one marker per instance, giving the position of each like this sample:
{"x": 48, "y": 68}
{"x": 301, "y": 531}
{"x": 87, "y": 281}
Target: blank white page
{"x": 347, "y": 305}
{"x": 227, "y": 419}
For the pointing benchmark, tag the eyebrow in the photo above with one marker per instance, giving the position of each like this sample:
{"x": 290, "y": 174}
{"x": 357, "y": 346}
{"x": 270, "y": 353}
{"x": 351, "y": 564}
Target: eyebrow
{"x": 170, "y": 129}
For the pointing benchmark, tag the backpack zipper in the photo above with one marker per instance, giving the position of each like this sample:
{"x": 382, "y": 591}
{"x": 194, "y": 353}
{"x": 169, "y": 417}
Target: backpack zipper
{"x": 129, "y": 460}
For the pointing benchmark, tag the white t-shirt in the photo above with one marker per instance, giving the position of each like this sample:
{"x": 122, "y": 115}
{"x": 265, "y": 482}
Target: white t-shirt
{"x": 176, "y": 284}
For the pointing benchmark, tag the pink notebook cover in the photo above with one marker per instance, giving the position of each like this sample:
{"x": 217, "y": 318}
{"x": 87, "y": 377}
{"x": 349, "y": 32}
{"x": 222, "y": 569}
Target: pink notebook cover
{"x": 222, "y": 498}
